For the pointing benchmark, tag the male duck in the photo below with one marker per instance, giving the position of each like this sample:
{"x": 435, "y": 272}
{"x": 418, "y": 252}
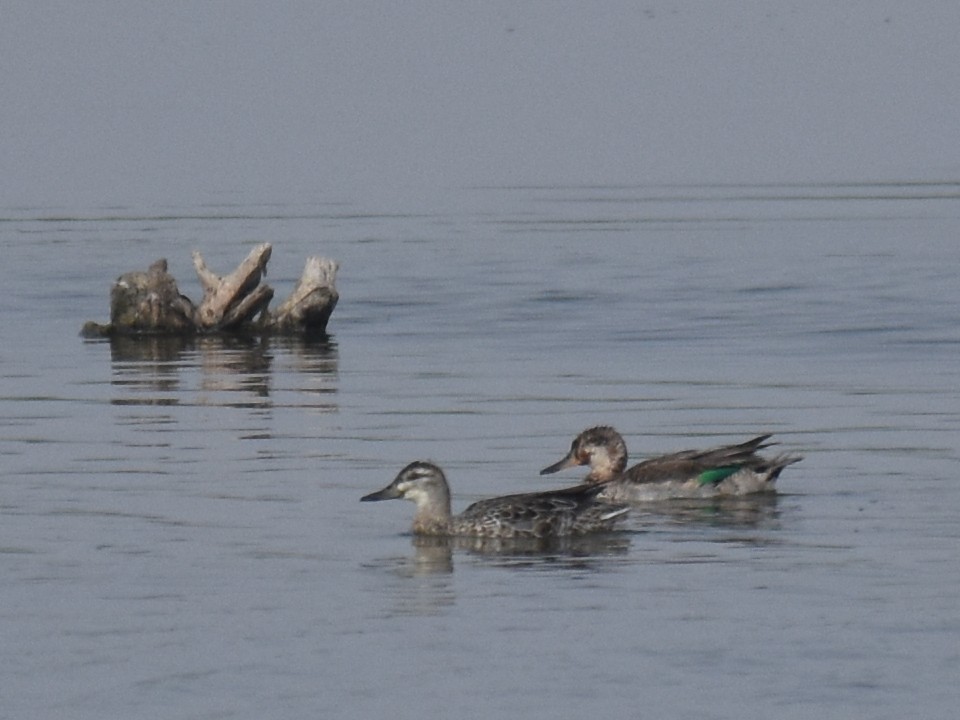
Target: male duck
{"x": 725, "y": 470}
{"x": 557, "y": 513}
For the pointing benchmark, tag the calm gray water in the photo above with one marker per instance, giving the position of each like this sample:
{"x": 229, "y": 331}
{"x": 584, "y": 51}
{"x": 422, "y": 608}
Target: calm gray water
{"x": 180, "y": 531}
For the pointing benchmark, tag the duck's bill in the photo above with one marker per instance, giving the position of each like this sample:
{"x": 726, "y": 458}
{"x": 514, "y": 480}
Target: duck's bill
{"x": 568, "y": 461}
{"x": 388, "y": 493}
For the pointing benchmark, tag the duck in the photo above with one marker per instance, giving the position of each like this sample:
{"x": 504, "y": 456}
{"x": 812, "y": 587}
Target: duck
{"x": 561, "y": 513}
{"x": 727, "y": 470}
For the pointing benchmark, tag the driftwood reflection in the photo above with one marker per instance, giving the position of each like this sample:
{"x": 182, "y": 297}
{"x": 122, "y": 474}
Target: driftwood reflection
{"x": 225, "y": 370}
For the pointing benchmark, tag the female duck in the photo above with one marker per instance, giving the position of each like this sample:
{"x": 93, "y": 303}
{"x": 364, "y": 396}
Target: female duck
{"x": 724, "y": 470}
{"x": 558, "y": 513}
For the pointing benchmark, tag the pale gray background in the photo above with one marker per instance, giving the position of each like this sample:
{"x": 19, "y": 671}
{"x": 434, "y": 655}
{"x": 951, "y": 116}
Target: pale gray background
{"x": 184, "y": 102}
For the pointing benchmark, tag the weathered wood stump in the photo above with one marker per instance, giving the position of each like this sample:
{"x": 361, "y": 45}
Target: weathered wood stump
{"x": 150, "y": 302}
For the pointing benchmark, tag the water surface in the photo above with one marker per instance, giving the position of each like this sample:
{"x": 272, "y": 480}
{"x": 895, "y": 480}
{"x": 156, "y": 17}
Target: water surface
{"x": 181, "y": 533}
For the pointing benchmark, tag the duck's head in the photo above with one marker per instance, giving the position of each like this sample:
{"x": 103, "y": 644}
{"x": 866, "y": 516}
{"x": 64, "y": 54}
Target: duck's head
{"x": 602, "y": 448}
{"x": 421, "y": 482}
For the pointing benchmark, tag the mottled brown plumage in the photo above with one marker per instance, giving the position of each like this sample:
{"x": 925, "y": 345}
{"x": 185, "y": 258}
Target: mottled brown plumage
{"x": 557, "y": 513}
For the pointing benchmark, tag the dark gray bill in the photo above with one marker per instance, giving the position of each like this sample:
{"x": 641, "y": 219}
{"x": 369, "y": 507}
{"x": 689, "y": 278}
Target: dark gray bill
{"x": 568, "y": 461}
{"x": 388, "y": 493}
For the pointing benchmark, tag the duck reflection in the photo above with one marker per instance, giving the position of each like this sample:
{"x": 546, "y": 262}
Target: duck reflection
{"x": 579, "y": 550}
{"x": 422, "y": 583}
{"x": 418, "y": 584}
{"x": 434, "y": 555}
{"x": 749, "y": 511}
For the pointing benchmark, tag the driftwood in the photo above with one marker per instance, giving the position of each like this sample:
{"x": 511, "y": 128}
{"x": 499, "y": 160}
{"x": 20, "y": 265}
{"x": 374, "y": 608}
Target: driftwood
{"x": 150, "y": 302}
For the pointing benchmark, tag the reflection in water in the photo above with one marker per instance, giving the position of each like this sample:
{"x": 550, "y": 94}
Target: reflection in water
{"x": 149, "y": 348}
{"x": 759, "y": 510}
{"x": 156, "y": 370}
{"x": 433, "y": 555}
{"x": 148, "y": 363}
{"x": 580, "y": 551}
{"x": 706, "y": 525}
{"x": 421, "y": 584}
{"x": 235, "y": 364}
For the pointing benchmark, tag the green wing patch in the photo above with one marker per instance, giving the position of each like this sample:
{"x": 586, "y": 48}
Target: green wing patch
{"x": 716, "y": 475}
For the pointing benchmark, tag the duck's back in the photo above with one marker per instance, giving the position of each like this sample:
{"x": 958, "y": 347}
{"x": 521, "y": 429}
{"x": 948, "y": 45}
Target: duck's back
{"x": 557, "y": 513}
{"x": 689, "y": 464}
